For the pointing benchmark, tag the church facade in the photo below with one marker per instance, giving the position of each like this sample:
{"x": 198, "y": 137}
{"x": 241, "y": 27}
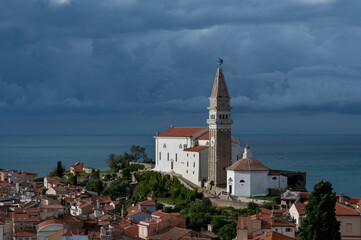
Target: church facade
{"x": 201, "y": 154}
{"x": 211, "y": 156}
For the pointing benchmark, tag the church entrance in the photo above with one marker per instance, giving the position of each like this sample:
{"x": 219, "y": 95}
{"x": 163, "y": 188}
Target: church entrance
{"x": 171, "y": 165}
{"x": 230, "y": 189}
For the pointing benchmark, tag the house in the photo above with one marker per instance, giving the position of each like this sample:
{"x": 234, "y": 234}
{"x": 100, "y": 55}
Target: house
{"x": 51, "y": 211}
{"x": 77, "y": 167}
{"x": 24, "y": 221}
{"x": 57, "y": 191}
{"x": 139, "y": 215}
{"x": 51, "y": 182}
{"x": 159, "y": 220}
{"x": 175, "y": 233}
{"x": 260, "y": 224}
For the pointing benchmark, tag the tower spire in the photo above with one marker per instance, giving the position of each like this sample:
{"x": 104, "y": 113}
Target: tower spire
{"x": 219, "y": 122}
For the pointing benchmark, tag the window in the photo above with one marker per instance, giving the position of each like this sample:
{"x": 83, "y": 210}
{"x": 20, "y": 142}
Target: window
{"x": 145, "y": 231}
{"x": 176, "y": 157}
{"x": 213, "y": 117}
{"x": 288, "y": 229}
{"x": 140, "y": 231}
{"x": 187, "y": 155}
{"x": 164, "y": 145}
{"x": 348, "y": 227}
{"x": 168, "y": 156}
{"x": 187, "y": 164}
{"x": 180, "y": 146}
{"x": 274, "y": 178}
{"x": 194, "y": 164}
{"x": 160, "y": 155}
{"x": 187, "y": 171}
{"x": 194, "y": 155}
{"x": 193, "y": 172}
{"x": 242, "y": 181}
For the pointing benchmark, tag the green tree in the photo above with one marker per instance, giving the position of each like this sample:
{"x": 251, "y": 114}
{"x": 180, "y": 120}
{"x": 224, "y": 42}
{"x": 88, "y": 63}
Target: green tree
{"x": 228, "y": 232}
{"x": 95, "y": 185}
{"x": 59, "y": 169}
{"x": 197, "y": 215}
{"x": 320, "y": 222}
{"x": 111, "y": 161}
{"x": 138, "y": 154}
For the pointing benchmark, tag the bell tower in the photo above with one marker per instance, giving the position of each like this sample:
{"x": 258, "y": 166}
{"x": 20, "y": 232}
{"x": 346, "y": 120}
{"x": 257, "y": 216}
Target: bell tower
{"x": 219, "y": 122}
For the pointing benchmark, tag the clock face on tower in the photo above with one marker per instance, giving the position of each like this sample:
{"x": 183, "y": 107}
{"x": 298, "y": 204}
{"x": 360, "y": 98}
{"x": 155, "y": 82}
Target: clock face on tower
{"x": 212, "y": 141}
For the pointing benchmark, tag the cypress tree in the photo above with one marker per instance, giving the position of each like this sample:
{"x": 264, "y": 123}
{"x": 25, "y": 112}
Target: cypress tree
{"x": 59, "y": 169}
{"x": 320, "y": 222}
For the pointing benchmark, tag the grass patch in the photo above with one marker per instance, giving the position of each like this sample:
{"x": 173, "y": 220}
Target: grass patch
{"x": 111, "y": 171}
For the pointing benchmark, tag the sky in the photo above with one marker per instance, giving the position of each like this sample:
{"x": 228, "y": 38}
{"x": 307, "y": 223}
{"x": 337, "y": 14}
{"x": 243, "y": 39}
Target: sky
{"x": 136, "y": 67}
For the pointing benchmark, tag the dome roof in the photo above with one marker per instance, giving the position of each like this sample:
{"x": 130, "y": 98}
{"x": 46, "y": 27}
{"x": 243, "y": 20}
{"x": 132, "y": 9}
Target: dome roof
{"x": 248, "y": 164}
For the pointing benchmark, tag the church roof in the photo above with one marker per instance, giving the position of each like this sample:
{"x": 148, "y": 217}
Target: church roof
{"x": 248, "y": 164}
{"x": 181, "y": 132}
{"x": 219, "y": 86}
{"x": 196, "y": 149}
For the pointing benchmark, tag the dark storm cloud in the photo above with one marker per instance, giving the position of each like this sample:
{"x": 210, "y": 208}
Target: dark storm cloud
{"x": 141, "y": 57}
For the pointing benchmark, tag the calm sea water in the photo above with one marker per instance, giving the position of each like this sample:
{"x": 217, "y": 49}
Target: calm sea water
{"x": 335, "y": 158}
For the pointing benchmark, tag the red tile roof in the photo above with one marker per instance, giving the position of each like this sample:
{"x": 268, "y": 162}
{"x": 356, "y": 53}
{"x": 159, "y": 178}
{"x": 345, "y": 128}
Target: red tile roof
{"x": 271, "y": 236}
{"x": 181, "y": 132}
{"x": 204, "y": 136}
{"x": 300, "y": 207}
{"x": 147, "y": 203}
{"x": 247, "y": 164}
{"x": 138, "y": 211}
{"x": 55, "y": 206}
{"x": 245, "y": 222}
{"x": 196, "y": 149}
{"x": 49, "y": 222}
{"x": 26, "y": 233}
{"x": 344, "y": 210}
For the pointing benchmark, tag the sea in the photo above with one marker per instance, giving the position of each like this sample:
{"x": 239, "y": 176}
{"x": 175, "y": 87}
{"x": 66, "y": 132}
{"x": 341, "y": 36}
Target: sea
{"x": 334, "y": 158}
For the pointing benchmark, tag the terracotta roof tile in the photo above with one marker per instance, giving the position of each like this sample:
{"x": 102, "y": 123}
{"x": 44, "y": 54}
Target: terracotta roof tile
{"x": 247, "y": 164}
{"x": 344, "y": 210}
{"x": 147, "y": 203}
{"x": 300, "y": 207}
{"x": 196, "y": 149}
{"x": 20, "y": 217}
{"x": 181, "y": 132}
{"x": 26, "y": 233}
{"x": 132, "y": 231}
{"x": 271, "y": 236}
{"x": 50, "y": 221}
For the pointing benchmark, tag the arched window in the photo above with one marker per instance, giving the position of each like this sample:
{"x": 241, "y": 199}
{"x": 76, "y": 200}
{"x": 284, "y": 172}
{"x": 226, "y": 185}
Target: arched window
{"x": 164, "y": 145}
{"x": 176, "y": 157}
{"x": 230, "y": 180}
{"x": 274, "y": 178}
{"x": 242, "y": 181}
{"x": 187, "y": 164}
{"x": 180, "y": 146}
{"x": 194, "y": 164}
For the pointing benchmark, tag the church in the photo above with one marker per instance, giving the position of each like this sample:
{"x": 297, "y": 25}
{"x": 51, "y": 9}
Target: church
{"x": 206, "y": 155}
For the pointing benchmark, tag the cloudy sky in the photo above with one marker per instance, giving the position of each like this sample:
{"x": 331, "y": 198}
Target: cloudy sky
{"x": 127, "y": 66}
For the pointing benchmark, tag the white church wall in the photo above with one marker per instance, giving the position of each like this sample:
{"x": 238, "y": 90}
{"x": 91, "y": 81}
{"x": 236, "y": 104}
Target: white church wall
{"x": 284, "y": 182}
{"x": 259, "y": 183}
{"x": 169, "y": 150}
{"x": 191, "y": 168}
{"x": 241, "y": 182}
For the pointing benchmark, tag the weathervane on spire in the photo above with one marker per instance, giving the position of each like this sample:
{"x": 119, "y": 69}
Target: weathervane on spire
{"x": 220, "y": 63}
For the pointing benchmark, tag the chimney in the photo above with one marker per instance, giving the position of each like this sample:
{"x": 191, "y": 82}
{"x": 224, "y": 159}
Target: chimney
{"x": 340, "y": 198}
